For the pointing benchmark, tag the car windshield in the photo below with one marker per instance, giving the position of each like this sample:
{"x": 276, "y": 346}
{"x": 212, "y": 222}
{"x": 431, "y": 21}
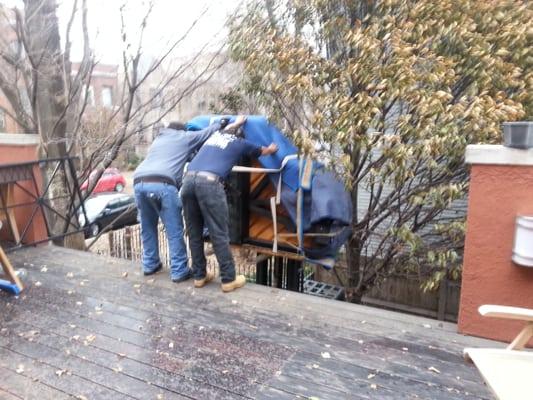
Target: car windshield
{"x": 95, "y": 205}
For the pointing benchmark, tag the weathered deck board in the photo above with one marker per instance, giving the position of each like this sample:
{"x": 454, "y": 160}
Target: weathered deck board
{"x": 19, "y": 386}
{"x": 9, "y": 396}
{"x": 41, "y": 370}
{"x": 393, "y": 354}
{"x": 122, "y": 335}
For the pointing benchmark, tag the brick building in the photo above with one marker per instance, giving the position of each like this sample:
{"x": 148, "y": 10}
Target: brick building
{"x": 103, "y": 89}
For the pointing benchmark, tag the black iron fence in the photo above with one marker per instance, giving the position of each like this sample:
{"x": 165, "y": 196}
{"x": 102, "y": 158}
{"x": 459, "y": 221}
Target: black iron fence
{"x": 45, "y": 192}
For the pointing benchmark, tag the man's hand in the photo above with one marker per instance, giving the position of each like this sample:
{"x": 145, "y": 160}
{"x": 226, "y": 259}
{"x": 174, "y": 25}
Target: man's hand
{"x": 239, "y": 121}
{"x": 271, "y": 149}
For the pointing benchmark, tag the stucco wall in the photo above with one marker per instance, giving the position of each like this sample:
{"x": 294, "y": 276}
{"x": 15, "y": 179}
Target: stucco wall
{"x": 17, "y": 148}
{"x": 498, "y": 193}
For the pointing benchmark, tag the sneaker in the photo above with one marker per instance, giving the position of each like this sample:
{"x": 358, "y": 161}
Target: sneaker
{"x": 239, "y": 282}
{"x": 154, "y": 271}
{"x": 182, "y": 278}
{"x": 198, "y": 283}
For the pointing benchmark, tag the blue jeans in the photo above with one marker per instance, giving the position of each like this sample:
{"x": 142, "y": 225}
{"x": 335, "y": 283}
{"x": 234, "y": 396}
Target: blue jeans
{"x": 154, "y": 201}
{"x": 204, "y": 201}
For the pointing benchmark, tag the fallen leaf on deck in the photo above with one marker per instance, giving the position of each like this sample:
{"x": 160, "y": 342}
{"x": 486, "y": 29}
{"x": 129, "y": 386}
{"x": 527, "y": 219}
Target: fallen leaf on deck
{"x": 137, "y": 285}
{"x": 433, "y": 369}
{"x": 122, "y": 355}
{"x": 90, "y": 338}
{"x": 60, "y": 372}
{"x": 117, "y": 369}
{"x": 125, "y": 274}
{"x": 81, "y": 397}
{"x": 28, "y": 334}
{"x": 325, "y": 355}
{"x": 75, "y": 337}
{"x": 370, "y": 376}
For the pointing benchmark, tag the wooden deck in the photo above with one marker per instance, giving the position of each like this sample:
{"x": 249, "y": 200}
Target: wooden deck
{"x": 90, "y": 327}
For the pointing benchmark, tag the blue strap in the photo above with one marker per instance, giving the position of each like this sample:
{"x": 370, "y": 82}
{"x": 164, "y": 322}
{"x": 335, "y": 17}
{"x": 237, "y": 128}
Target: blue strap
{"x": 9, "y": 287}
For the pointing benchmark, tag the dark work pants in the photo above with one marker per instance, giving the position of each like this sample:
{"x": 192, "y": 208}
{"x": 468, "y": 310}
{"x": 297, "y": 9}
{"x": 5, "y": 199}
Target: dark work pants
{"x": 204, "y": 201}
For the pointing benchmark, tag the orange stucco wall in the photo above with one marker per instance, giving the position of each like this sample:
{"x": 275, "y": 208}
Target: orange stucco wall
{"x": 10, "y": 153}
{"x": 498, "y": 193}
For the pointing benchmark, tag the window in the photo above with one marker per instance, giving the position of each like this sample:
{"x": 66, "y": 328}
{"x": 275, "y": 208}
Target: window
{"x": 90, "y": 96}
{"x": 2, "y": 120}
{"x": 87, "y": 93}
{"x": 107, "y": 96}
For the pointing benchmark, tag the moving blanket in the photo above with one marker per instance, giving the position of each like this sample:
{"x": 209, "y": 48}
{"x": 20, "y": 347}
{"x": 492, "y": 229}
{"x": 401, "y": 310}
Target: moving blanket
{"x": 327, "y": 205}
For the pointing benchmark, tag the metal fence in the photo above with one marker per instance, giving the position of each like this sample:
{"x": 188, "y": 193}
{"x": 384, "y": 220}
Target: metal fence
{"x": 37, "y": 183}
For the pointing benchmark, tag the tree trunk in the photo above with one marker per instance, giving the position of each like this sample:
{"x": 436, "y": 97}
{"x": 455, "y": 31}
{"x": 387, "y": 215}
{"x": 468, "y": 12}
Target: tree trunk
{"x": 50, "y": 103}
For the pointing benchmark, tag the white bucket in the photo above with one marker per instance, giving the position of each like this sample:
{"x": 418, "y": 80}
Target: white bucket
{"x": 523, "y": 241}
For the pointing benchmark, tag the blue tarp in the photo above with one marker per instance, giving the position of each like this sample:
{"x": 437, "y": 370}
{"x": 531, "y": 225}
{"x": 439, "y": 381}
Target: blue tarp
{"x": 259, "y": 131}
{"x": 327, "y": 205}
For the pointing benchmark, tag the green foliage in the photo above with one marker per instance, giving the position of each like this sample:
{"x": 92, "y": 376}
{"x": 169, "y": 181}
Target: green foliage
{"x": 393, "y": 91}
{"x": 133, "y": 161}
{"x": 232, "y": 103}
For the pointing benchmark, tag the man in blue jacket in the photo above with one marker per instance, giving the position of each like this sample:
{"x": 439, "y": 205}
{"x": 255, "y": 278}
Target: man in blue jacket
{"x": 204, "y": 201}
{"x": 156, "y": 184}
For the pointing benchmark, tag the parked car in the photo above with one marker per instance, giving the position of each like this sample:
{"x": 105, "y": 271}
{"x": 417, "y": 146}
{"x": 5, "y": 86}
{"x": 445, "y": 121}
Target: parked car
{"x": 110, "y": 181}
{"x": 115, "y": 209}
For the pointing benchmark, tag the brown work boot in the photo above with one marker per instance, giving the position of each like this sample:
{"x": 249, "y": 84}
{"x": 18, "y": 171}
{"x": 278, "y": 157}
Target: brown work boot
{"x": 209, "y": 276}
{"x": 239, "y": 282}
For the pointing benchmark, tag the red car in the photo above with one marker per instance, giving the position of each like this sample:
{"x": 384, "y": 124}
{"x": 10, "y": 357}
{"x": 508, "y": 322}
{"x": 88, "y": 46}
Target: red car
{"x": 110, "y": 181}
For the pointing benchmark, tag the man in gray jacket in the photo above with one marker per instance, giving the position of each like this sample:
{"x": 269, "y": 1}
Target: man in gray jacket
{"x": 156, "y": 183}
